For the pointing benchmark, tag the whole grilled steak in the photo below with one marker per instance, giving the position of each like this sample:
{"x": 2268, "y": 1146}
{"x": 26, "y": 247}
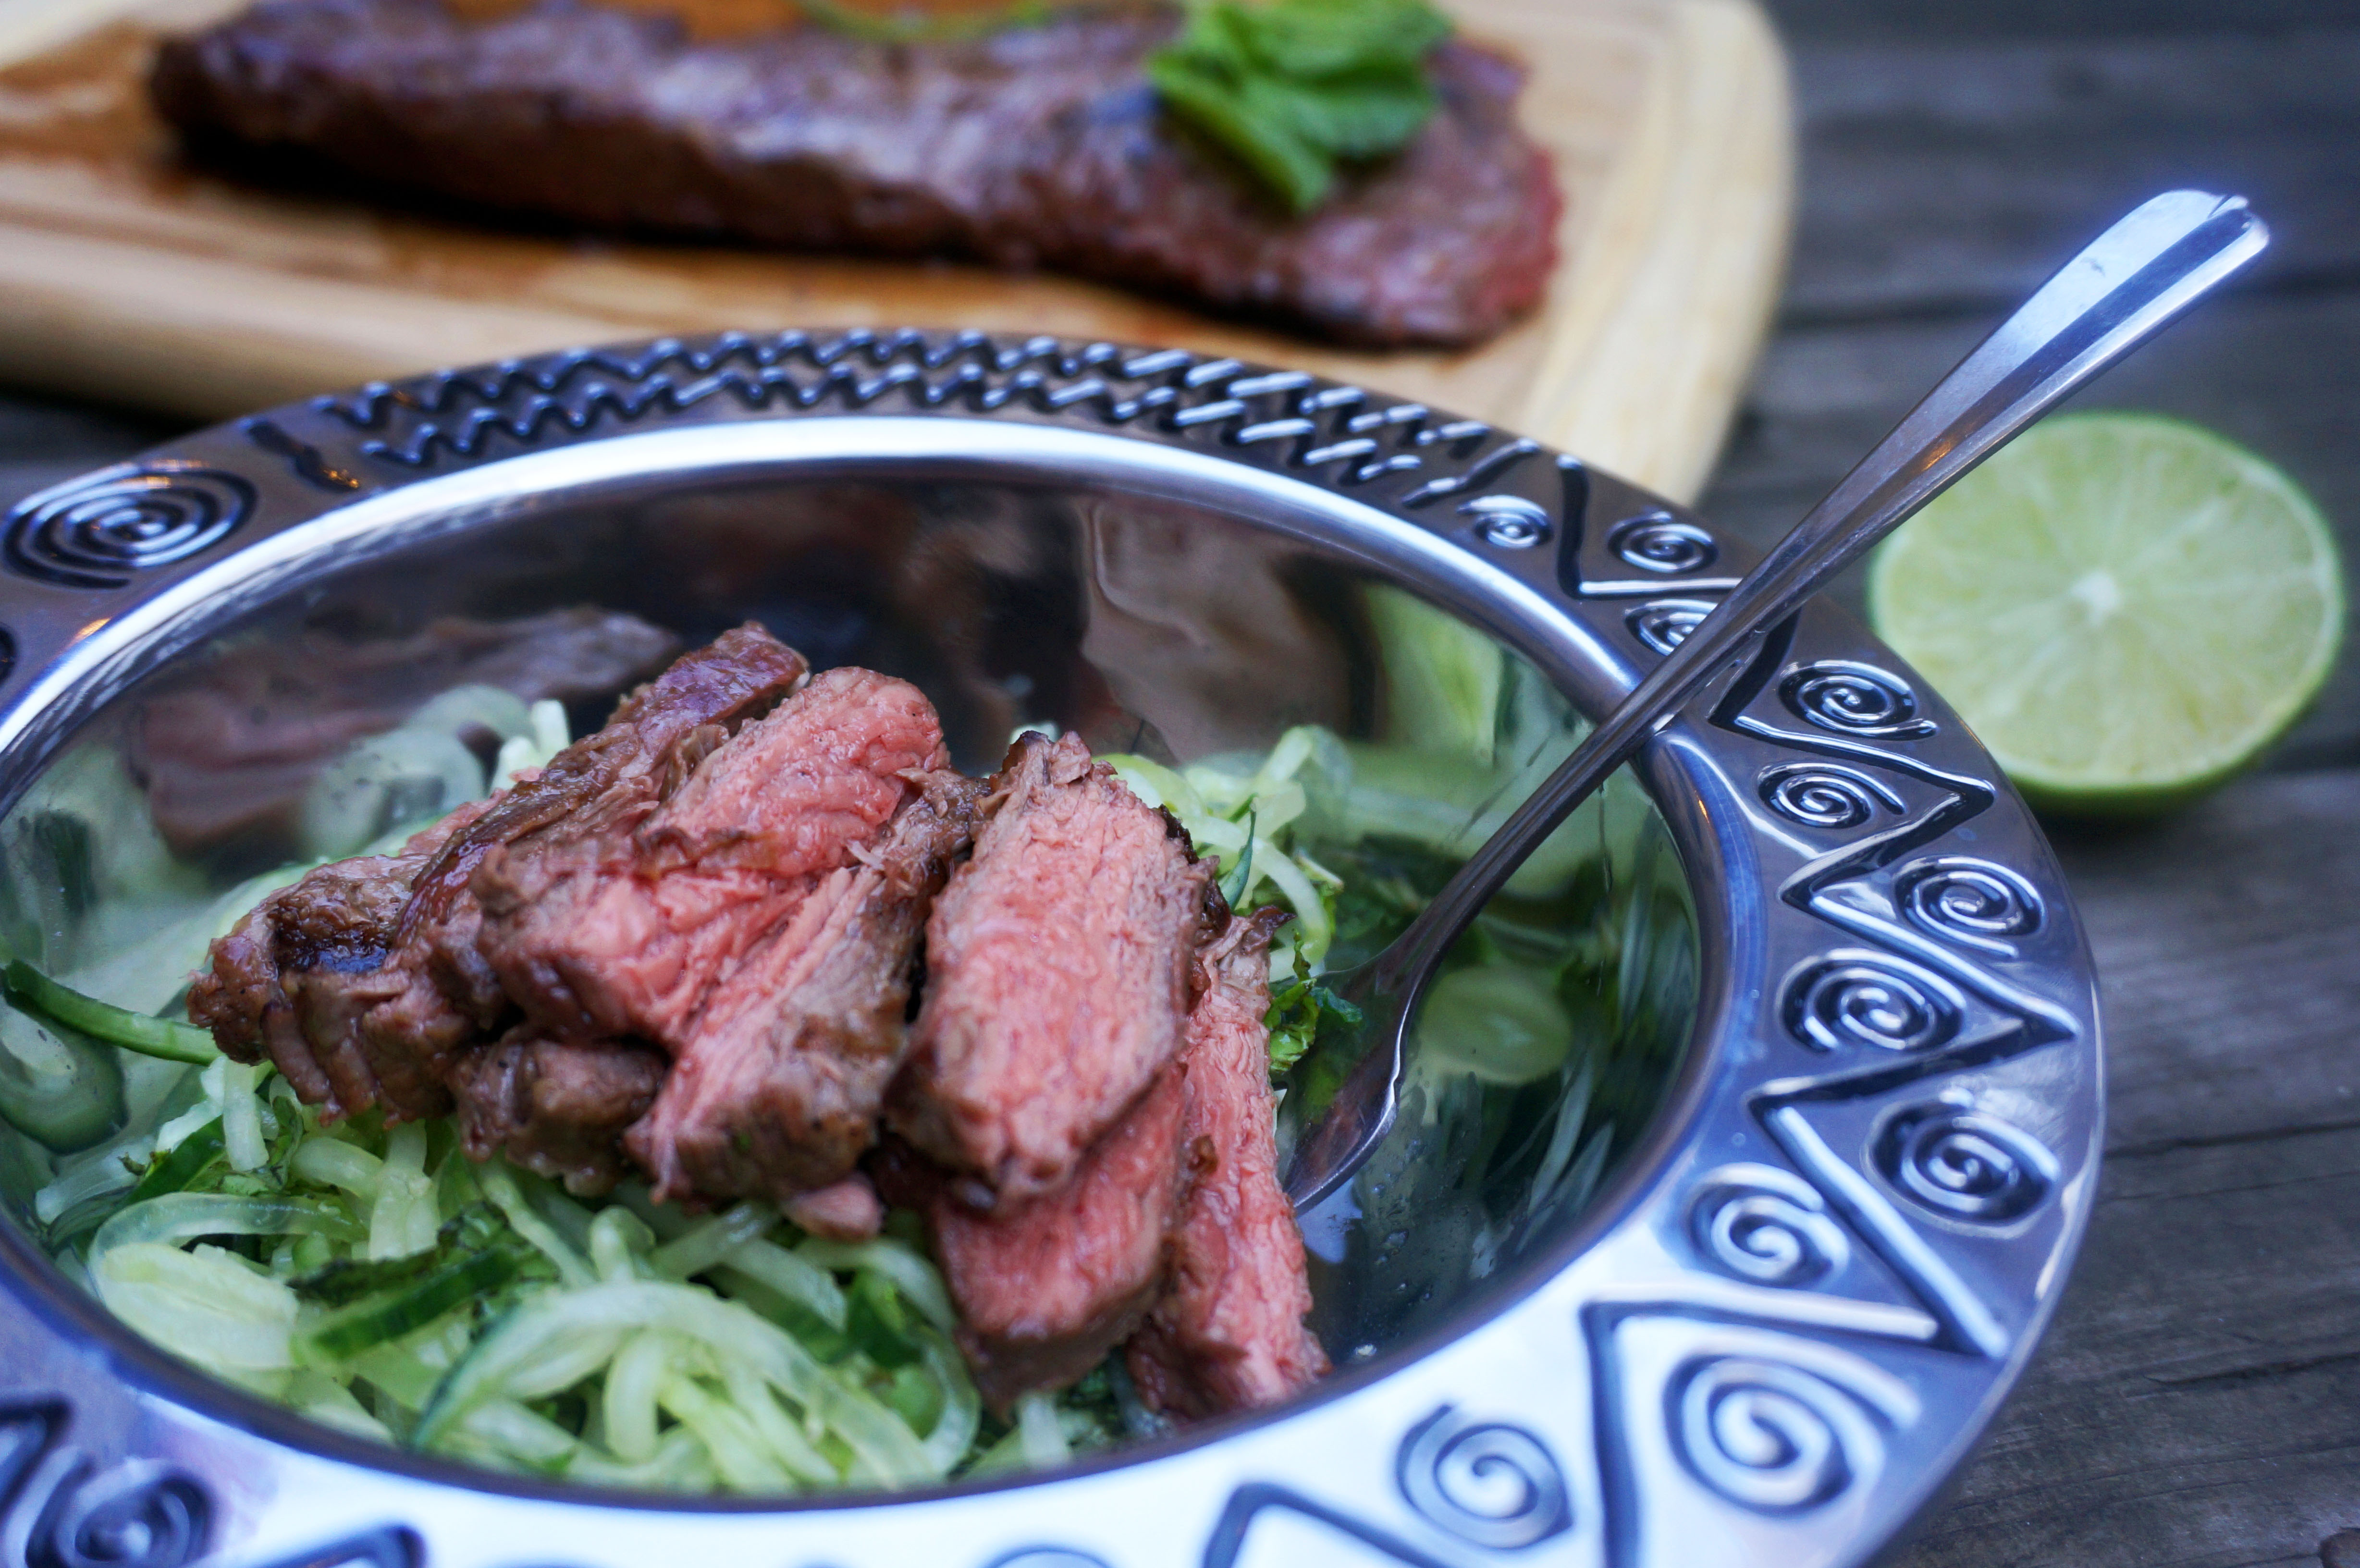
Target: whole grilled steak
{"x": 1045, "y": 1289}
{"x": 316, "y": 977}
{"x": 1058, "y": 972}
{"x": 1033, "y": 147}
{"x": 1228, "y": 1333}
{"x": 777, "y": 1091}
{"x": 627, "y": 930}
{"x": 558, "y": 1107}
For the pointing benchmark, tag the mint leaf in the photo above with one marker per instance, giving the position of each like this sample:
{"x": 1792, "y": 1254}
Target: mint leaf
{"x": 1267, "y": 144}
{"x": 1292, "y": 86}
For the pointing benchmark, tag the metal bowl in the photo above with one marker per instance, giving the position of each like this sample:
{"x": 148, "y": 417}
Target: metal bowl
{"x": 1771, "y": 1335}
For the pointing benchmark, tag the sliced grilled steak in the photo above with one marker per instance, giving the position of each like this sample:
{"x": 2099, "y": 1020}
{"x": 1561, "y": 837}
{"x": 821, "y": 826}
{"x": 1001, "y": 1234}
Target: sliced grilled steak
{"x": 626, "y": 930}
{"x": 1057, "y": 973}
{"x": 1034, "y": 146}
{"x": 848, "y": 1210}
{"x": 226, "y": 757}
{"x": 556, "y": 1107}
{"x": 1227, "y": 1334}
{"x": 362, "y": 981}
{"x": 1046, "y": 1288}
{"x": 777, "y": 1091}
{"x": 316, "y": 977}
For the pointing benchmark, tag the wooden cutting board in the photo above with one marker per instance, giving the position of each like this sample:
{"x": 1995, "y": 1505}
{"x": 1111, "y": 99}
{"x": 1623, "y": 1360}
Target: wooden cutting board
{"x": 129, "y": 277}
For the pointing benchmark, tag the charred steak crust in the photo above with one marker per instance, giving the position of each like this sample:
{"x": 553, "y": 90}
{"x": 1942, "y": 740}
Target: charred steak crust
{"x": 316, "y": 978}
{"x": 1033, "y": 147}
{"x": 627, "y": 929}
{"x": 1227, "y": 1334}
{"x": 1045, "y": 1289}
{"x": 778, "y": 1091}
{"x": 555, "y": 1108}
{"x": 1057, "y": 973}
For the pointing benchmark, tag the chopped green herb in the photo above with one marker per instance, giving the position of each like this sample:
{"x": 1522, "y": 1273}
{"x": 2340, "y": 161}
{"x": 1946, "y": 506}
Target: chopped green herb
{"x": 1292, "y": 87}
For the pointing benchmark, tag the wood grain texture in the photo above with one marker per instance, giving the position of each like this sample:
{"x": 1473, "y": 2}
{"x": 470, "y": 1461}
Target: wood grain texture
{"x": 2198, "y": 1401}
{"x": 128, "y": 277}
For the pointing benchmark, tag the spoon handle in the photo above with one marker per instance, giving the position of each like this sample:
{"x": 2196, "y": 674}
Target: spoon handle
{"x": 2129, "y": 282}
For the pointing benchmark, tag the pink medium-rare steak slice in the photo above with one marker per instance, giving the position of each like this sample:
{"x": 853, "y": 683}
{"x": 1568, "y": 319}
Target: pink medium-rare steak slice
{"x": 555, "y": 1108}
{"x": 315, "y": 978}
{"x": 1041, "y": 146}
{"x": 361, "y": 981}
{"x": 1058, "y": 971}
{"x": 1045, "y": 1289}
{"x": 628, "y": 931}
{"x": 777, "y": 1091}
{"x": 1227, "y": 1334}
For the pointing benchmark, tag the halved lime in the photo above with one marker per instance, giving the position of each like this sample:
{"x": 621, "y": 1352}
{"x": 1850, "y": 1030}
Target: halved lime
{"x": 2125, "y": 608}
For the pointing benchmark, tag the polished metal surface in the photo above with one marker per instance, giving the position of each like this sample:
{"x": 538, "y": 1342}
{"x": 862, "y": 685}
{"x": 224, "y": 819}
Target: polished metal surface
{"x": 2123, "y": 287}
{"x": 1769, "y": 1340}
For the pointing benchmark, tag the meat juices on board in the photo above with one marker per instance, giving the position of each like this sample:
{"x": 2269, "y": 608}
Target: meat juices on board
{"x": 1036, "y": 146}
{"x": 1058, "y": 971}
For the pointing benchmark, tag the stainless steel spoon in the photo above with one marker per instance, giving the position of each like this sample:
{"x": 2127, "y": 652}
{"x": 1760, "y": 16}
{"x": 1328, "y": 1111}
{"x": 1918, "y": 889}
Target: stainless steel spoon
{"x": 2131, "y": 280}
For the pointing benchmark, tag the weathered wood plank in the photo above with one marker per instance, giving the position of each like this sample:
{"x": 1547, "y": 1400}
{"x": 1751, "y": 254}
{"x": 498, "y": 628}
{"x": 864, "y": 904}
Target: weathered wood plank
{"x": 2055, "y": 20}
{"x": 2198, "y": 1401}
{"x": 1951, "y": 175}
{"x": 2278, "y": 372}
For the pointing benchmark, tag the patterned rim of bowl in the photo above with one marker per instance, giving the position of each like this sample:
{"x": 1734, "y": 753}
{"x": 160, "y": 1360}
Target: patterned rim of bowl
{"x": 1771, "y": 1339}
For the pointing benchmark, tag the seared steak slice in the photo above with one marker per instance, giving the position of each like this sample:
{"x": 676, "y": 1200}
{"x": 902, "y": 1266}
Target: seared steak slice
{"x": 1041, "y": 146}
{"x": 316, "y": 977}
{"x": 626, "y": 930}
{"x": 362, "y": 980}
{"x": 556, "y": 1107}
{"x": 1057, "y": 973}
{"x": 1228, "y": 1335}
{"x": 1046, "y": 1288}
{"x": 777, "y": 1091}
{"x": 226, "y": 756}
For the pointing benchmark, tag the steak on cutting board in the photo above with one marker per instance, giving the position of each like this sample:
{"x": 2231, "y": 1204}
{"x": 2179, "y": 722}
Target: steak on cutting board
{"x": 1057, "y": 973}
{"x": 1040, "y": 146}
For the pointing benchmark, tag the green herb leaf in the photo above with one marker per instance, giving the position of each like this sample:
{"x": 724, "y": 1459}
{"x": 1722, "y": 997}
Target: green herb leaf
{"x": 1292, "y": 86}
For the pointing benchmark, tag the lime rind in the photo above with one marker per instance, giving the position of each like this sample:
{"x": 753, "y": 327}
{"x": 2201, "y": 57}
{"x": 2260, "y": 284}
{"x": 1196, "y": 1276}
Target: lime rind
{"x": 2127, "y": 609}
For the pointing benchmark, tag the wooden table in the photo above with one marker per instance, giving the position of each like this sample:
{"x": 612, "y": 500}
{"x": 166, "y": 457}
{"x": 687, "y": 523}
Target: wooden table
{"x": 2198, "y": 1402}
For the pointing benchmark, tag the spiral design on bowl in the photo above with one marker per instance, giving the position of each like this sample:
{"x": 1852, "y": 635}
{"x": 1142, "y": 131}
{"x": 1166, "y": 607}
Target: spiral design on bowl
{"x": 1665, "y": 624}
{"x": 1965, "y": 1164}
{"x": 1661, "y": 544}
{"x": 1764, "y": 1225}
{"x": 133, "y": 1522}
{"x": 1822, "y": 794}
{"x": 1846, "y": 1000}
{"x": 98, "y": 531}
{"x": 1853, "y": 699}
{"x": 1974, "y": 901}
{"x": 1508, "y": 522}
{"x": 1487, "y": 1483}
{"x": 1771, "y": 1438}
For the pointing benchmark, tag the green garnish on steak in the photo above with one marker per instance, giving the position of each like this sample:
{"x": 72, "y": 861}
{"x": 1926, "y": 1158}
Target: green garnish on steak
{"x": 1294, "y": 87}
